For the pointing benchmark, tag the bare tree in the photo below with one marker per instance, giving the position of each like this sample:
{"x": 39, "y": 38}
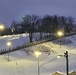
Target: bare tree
{"x": 31, "y": 22}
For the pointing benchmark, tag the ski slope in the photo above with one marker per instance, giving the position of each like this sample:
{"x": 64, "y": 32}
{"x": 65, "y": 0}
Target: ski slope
{"x": 25, "y": 63}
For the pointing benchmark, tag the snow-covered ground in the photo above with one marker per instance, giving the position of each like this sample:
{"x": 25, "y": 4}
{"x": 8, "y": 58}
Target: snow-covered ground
{"x": 25, "y": 63}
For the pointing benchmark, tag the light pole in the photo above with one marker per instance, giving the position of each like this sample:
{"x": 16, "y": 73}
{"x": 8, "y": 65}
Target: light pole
{"x": 8, "y": 44}
{"x": 37, "y": 54}
{"x": 60, "y": 34}
{"x": 67, "y": 65}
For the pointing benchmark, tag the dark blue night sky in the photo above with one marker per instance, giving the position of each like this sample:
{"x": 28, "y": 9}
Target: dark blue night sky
{"x": 13, "y": 10}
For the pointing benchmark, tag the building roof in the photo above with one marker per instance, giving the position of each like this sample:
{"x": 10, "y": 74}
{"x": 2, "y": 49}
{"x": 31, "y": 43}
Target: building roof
{"x": 57, "y": 73}
{"x": 72, "y": 73}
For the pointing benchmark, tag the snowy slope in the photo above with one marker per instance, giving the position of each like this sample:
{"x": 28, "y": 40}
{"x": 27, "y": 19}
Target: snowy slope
{"x": 14, "y": 39}
{"x": 22, "y": 63}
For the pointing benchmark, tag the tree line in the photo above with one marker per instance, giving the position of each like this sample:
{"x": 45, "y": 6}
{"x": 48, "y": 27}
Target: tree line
{"x": 46, "y": 24}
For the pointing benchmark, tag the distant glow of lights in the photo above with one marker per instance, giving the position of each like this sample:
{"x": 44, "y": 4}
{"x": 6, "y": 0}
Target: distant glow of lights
{"x": 23, "y": 16}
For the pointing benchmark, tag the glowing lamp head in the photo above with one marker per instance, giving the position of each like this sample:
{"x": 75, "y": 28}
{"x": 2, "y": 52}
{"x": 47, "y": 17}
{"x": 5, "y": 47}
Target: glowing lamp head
{"x": 37, "y": 53}
{"x": 8, "y": 43}
{"x": 1, "y": 27}
{"x": 60, "y": 33}
{"x": 58, "y": 56}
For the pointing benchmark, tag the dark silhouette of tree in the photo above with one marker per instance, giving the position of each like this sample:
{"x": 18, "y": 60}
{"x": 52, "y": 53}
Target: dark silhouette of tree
{"x": 55, "y": 24}
{"x": 14, "y": 27}
{"x": 47, "y": 23}
{"x": 70, "y": 23}
{"x": 31, "y": 23}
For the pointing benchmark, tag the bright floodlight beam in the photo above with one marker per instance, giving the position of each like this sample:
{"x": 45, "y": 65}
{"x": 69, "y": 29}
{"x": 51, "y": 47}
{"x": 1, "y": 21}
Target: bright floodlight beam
{"x": 37, "y": 54}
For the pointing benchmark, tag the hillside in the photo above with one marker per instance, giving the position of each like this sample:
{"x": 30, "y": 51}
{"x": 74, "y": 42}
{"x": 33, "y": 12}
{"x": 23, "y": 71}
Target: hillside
{"x": 24, "y": 62}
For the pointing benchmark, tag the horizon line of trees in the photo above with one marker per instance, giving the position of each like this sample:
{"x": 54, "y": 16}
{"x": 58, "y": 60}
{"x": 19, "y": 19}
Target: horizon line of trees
{"x": 46, "y": 24}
